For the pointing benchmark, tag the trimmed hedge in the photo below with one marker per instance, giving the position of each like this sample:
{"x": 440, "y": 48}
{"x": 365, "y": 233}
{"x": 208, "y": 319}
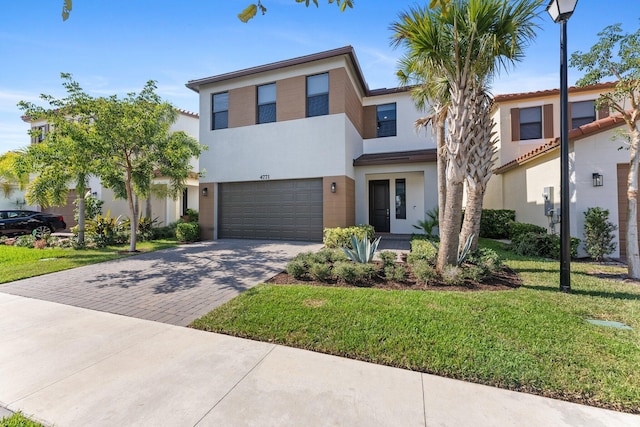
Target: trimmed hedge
{"x": 542, "y": 245}
{"x": 519, "y": 228}
{"x": 494, "y": 223}
{"x": 188, "y": 232}
{"x": 341, "y": 237}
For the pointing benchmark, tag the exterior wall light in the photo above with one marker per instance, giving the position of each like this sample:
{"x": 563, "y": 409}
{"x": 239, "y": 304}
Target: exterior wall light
{"x": 205, "y": 192}
{"x": 598, "y": 180}
{"x": 333, "y": 187}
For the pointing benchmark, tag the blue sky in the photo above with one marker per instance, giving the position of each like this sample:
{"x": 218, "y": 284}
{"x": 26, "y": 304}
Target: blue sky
{"x": 115, "y": 46}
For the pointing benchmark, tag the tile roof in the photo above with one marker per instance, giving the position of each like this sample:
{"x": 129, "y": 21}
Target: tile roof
{"x": 550, "y": 92}
{"x": 396, "y": 157}
{"x": 574, "y": 135}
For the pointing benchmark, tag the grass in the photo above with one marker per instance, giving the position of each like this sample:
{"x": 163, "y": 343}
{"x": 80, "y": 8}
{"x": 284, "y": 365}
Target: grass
{"x": 533, "y": 339}
{"x": 18, "y": 420}
{"x": 21, "y": 263}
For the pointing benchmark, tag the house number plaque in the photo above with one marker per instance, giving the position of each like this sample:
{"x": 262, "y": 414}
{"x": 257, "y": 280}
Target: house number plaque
{"x": 264, "y": 177}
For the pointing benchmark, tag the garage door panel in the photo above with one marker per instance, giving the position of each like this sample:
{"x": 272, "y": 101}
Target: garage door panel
{"x": 280, "y": 210}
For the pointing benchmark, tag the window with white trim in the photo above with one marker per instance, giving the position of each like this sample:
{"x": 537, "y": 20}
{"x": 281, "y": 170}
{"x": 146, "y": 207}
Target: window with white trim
{"x": 267, "y": 103}
{"x": 318, "y": 95}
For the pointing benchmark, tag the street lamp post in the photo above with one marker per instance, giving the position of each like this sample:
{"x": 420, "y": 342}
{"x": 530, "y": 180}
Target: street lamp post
{"x": 560, "y": 12}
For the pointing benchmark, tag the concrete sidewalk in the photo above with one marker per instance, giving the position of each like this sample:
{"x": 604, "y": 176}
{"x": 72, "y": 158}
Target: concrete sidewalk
{"x": 70, "y": 366}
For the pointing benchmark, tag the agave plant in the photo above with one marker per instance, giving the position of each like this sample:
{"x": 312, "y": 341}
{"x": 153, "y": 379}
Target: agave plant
{"x": 363, "y": 249}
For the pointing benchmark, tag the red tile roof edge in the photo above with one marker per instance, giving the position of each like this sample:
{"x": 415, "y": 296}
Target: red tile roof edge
{"x": 574, "y": 135}
{"x": 550, "y": 92}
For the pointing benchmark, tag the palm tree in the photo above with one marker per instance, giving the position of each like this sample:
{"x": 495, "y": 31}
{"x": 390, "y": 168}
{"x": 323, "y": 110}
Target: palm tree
{"x": 10, "y": 179}
{"x": 467, "y": 44}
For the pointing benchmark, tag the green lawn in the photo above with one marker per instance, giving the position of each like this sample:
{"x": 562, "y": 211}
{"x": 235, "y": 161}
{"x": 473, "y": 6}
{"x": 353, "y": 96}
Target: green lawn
{"x": 20, "y": 263}
{"x": 18, "y": 420}
{"x": 534, "y": 339}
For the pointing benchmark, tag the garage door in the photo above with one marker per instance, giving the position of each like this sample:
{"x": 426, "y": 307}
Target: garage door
{"x": 279, "y": 210}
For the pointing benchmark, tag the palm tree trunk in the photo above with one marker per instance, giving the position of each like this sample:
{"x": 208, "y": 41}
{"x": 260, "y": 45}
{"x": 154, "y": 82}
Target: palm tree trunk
{"x": 441, "y": 164}
{"x": 472, "y": 216}
{"x": 633, "y": 252}
{"x": 450, "y": 227}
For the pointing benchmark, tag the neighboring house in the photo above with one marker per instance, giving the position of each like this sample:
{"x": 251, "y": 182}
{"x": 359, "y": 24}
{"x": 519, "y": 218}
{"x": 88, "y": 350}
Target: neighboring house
{"x": 527, "y": 178}
{"x": 303, "y": 144}
{"x": 165, "y": 209}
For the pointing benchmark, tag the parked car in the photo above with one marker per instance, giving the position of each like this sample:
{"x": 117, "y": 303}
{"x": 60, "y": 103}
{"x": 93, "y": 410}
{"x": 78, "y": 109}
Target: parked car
{"x": 17, "y": 222}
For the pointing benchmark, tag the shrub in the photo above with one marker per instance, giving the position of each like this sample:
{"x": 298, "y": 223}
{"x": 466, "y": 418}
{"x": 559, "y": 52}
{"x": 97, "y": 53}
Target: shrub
{"x": 474, "y": 272}
{"x": 485, "y": 258}
{"x": 429, "y": 223}
{"x": 345, "y": 271}
{"x": 395, "y": 272}
{"x": 542, "y": 245}
{"x": 388, "y": 258}
{"x": 320, "y": 272}
{"x": 105, "y": 230}
{"x": 422, "y": 250}
{"x": 365, "y": 272}
{"x": 494, "y": 223}
{"x": 25, "y": 241}
{"x": 296, "y": 268}
{"x": 92, "y": 206}
{"x": 188, "y": 232}
{"x": 145, "y": 228}
{"x": 519, "y": 228}
{"x": 453, "y": 275}
{"x": 423, "y": 271}
{"x": 166, "y": 232}
{"x": 192, "y": 214}
{"x": 341, "y": 237}
{"x": 598, "y": 233}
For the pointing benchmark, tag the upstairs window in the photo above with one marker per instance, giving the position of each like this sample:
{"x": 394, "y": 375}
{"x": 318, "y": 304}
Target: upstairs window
{"x": 318, "y": 95}
{"x": 530, "y": 123}
{"x": 386, "y": 116}
{"x": 38, "y": 133}
{"x": 267, "y": 103}
{"x": 582, "y": 113}
{"x": 220, "y": 111}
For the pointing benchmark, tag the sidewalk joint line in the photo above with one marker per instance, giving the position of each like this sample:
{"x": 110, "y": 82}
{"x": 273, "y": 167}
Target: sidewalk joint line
{"x": 258, "y": 363}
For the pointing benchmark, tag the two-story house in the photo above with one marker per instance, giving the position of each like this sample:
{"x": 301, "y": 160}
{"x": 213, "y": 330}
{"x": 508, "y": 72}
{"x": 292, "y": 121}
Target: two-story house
{"x": 163, "y": 208}
{"x": 527, "y": 177}
{"x": 303, "y": 144}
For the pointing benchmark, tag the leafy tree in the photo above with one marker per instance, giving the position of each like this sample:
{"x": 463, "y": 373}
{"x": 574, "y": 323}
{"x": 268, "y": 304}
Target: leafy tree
{"x": 136, "y": 145}
{"x": 467, "y": 43}
{"x": 617, "y": 55}
{"x": 66, "y": 155}
{"x": 10, "y": 178}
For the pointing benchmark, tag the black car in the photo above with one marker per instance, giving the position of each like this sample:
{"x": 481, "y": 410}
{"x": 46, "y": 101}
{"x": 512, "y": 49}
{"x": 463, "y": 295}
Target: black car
{"x": 17, "y": 222}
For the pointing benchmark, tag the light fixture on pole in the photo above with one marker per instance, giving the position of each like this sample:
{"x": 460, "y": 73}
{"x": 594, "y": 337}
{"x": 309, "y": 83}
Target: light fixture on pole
{"x": 560, "y": 11}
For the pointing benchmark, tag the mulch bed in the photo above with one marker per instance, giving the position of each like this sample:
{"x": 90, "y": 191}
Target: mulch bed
{"x": 506, "y": 279}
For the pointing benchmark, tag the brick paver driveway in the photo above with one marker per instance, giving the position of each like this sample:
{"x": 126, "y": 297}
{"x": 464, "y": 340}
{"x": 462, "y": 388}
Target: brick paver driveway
{"x": 173, "y": 286}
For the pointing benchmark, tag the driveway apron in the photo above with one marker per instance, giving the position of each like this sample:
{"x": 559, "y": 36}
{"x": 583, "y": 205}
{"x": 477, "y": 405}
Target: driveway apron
{"x": 174, "y": 286}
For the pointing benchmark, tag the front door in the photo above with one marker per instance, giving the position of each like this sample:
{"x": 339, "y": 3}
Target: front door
{"x": 379, "y": 205}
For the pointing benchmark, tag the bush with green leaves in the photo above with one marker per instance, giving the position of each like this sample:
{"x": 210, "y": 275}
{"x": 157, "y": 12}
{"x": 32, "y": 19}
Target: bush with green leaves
{"x": 495, "y": 223}
{"x": 297, "y": 268}
{"x": 517, "y": 229}
{"x": 474, "y": 272}
{"x": 146, "y": 228}
{"x": 542, "y": 245}
{"x": 430, "y": 223}
{"x": 598, "y": 233}
{"x": 188, "y": 232}
{"x": 453, "y": 275}
{"x": 345, "y": 271}
{"x": 341, "y": 237}
{"x": 192, "y": 214}
{"x": 92, "y": 206}
{"x": 422, "y": 250}
{"x": 331, "y": 256}
{"x": 320, "y": 271}
{"x": 424, "y": 271}
{"x": 25, "y": 241}
{"x": 487, "y": 259}
{"x": 395, "y": 272}
{"x": 105, "y": 230}
{"x": 388, "y": 258}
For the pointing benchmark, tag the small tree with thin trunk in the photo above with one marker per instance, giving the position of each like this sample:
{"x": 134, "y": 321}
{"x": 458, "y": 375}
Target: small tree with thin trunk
{"x": 617, "y": 55}
{"x": 136, "y": 146}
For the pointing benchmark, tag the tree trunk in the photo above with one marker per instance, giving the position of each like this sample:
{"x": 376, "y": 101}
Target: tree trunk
{"x": 81, "y": 191}
{"x": 633, "y": 252}
{"x": 441, "y": 164}
{"x": 148, "y": 212}
{"x": 472, "y": 215}
{"x": 450, "y": 227}
{"x": 132, "y": 209}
